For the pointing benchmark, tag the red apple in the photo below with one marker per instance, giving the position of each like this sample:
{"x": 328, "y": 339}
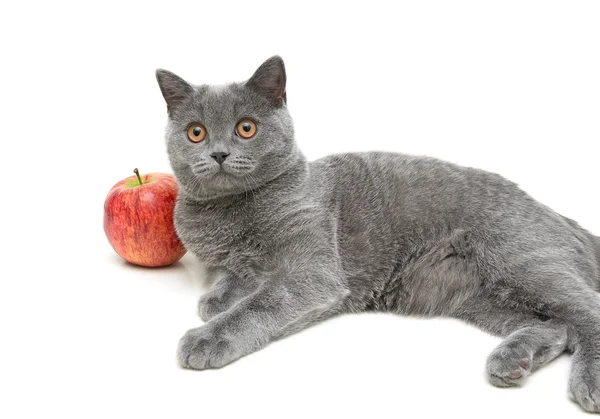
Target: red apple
{"x": 138, "y": 219}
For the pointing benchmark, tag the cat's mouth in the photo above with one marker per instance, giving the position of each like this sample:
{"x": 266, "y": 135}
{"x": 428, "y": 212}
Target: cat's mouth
{"x": 206, "y": 171}
{"x": 222, "y": 177}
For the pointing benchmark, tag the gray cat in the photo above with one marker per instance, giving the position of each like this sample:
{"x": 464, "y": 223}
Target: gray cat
{"x": 298, "y": 242}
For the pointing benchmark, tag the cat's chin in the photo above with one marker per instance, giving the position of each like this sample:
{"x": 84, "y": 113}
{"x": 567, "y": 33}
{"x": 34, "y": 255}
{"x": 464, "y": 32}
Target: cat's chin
{"x": 214, "y": 185}
{"x": 222, "y": 179}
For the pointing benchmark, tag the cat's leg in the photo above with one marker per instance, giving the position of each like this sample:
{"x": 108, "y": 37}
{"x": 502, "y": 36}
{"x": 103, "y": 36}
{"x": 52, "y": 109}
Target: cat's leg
{"x": 530, "y": 341}
{"x": 525, "y": 351}
{"x": 291, "y": 296}
{"x": 584, "y": 317}
{"x": 316, "y": 316}
{"x": 224, "y": 293}
{"x": 559, "y": 291}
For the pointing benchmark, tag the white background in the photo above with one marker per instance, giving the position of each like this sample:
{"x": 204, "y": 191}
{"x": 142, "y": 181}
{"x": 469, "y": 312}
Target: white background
{"x": 508, "y": 86}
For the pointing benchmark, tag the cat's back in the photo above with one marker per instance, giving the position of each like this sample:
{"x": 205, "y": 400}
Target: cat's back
{"x": 409, "y": 169}
{"x": 392, "y": 195}
{"x": 401, "y": 179}
{"x": 421, "y": 199}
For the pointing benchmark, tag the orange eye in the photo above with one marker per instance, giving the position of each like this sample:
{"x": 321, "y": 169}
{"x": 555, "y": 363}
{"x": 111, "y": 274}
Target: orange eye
{"x": 196, "y": 132}
{"x": 246, "y": 128}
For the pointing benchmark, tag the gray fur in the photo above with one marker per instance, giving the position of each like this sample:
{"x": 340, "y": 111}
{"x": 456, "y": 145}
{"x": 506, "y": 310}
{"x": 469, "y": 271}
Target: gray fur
{"x": 298, "y": 242}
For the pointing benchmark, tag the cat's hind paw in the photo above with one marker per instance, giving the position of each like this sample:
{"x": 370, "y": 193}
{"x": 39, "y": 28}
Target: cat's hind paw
{"x": 508, "y": 367}
{"x": 584, "y": 386}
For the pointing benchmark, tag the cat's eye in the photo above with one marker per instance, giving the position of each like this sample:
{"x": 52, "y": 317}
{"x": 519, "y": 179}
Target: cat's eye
{"x": 196, "y": 132}
{"x": 246, "y": 128}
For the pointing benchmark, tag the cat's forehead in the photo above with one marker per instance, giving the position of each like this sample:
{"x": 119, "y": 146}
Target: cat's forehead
{"x": 226, "y": 102}
{"x": 217, "y": 96}
{"x": 219, "y": 102}
{"x": 219, "y": 90}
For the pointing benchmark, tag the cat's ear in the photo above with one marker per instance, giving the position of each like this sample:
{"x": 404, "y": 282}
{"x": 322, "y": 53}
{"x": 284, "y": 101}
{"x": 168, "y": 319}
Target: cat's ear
{"x": 174, "y": 89}
{"x": 269, "y": 80}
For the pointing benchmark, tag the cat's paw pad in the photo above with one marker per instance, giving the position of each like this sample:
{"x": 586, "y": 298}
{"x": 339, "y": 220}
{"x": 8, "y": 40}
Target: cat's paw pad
{"x": 508, "y": 367}
{"x": 202, "y": 348}
{"x": 209, "y": 306}
{"x": 584, "y": 389}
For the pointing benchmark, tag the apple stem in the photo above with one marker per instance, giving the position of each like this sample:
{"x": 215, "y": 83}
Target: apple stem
{"x": 137, "y": 173}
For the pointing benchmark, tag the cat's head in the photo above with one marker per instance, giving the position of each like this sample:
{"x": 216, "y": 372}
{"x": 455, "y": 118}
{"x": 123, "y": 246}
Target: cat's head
{"x": 224, "y": 140}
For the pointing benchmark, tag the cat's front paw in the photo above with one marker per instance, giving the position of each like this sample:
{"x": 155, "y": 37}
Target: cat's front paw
{"x": 203, "y": 348}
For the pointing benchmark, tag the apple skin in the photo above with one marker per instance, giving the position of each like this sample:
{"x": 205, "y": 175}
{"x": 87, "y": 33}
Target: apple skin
{"x": 138, "y": 220}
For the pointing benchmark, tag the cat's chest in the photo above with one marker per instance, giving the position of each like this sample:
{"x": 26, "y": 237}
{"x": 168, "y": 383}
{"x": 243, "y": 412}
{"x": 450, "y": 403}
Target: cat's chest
{"x": 221, "y": 237}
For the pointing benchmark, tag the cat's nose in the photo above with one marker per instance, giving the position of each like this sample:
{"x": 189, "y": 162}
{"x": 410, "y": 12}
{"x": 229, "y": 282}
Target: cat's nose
{"x": 219, "y": 156}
